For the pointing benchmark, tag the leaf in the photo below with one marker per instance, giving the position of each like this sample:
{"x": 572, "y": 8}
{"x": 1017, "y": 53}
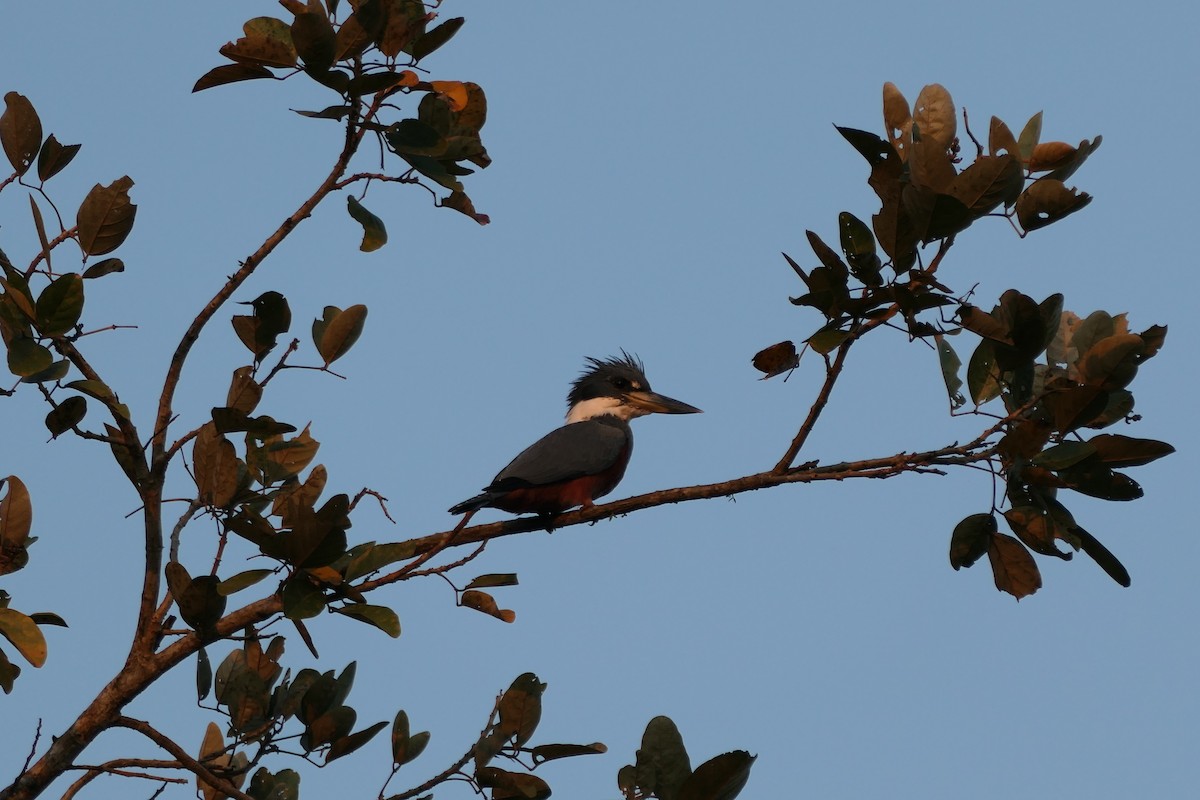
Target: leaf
{"x": 1049, "y": 156}
{"x": 268, "y": 42}
{"x": 51, "y": 374}
{"x": 23, "y": 634}
{"x": 987, "y": 183}
{"x": 494, "y": 579}
{"x": 970, "y": 539}
{"x": 348, "y": 744}
{"x": 105, "y": 217}
{"x": 215, "y": 467}
{"x": 105, "y": 267}
{"x": 314, "y": 41}
{"x": 933, "y": 115}
{"x": 371, "y": 557}
{"x": 434, "y": 38}
{"x": 242, "y": 580}
{"x": 1126, "y": 451}
{"x": 231, "y": 73}
{"x": 330, "y": 112}
{"x": 66, "y": 415}
{"x": 550, "y": 752}
{"x": 978, "y": 321}
{"x": 204, "y": 676}
{"x": 1046, "y": 202}
{"x": 897, "y": 119}
{"x": 520, "y": 709}
{"x": 950, "y": 363}
{"x": 1064, "y": 455}
{"x": 26, "y": 357}
{"x": 662, "y": 761}
{"x": 1082, "y": 152}
{"x": 1030, "y": 135}
{"x": 1101, "y": 555}
{"x": 373, "y": 82}
{"x": 374, "y": 233}
{"x": 858, "y": 243}
{"x": 60, "y": 305}
{"x": 401, "y": 741}
{"x": 55, "y": 157}
{"x": 1001, "y": 140}
{"x": 403, "y": 23}
{"x": 301, "y": 598}
{"x": 1036, "y": 529}
{"x": 381, "y": 617}
{"x": 1111, "y": 363}
{"x": 1013, "y": 567}
{"x": 460, "y": 202}
{"x": 828, "y": 339}
{"x": 49, "y": 618}
{"x": 485, "y": 603}
{"x": 8, "y": 673}
{"x": 244, "y": 392}
{"x": 20, "y": 132}
{"x": 16, "y": 514}
{"x": 338, "y": 330}
{"x": 719, "y": 778}
{"x": 868, "y": 145}
{"x": 777, "y": 359}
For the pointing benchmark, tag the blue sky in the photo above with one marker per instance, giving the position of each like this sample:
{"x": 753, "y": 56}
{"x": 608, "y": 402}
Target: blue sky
{"x": 650, "y": 165}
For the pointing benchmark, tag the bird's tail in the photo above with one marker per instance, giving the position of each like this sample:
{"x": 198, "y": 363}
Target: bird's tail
{"x": 474, "y": 504}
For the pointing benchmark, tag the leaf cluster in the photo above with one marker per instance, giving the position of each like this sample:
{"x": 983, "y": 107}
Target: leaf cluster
{"x": 663, "y": 769}
{"x": 373, "y": 50}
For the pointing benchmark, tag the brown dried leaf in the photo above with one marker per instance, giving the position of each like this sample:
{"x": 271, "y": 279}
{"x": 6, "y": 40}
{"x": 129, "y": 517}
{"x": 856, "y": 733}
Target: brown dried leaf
{"x": 1013, "y": 567}
{"x": 776, "y": 359}
{"x": 897, "y": 119}
{"x": 933, "y": 115}
{"x": 20, "y": 132}
{"x": 1046, "y": 202}
{"x": 1051, "y": 155}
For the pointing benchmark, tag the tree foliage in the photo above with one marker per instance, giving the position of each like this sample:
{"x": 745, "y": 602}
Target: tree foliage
{"x": 1043, "y": 380}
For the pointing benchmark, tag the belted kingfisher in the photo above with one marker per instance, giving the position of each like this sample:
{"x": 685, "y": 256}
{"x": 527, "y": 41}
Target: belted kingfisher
{"x": 586, "y": 458}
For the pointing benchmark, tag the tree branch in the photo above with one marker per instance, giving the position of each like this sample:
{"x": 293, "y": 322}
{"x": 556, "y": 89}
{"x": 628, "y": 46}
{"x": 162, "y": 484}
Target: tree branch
{"x": 166, "y": 743}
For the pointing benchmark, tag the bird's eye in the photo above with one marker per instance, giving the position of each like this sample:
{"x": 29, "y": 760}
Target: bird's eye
{"x": 621, "y": 383}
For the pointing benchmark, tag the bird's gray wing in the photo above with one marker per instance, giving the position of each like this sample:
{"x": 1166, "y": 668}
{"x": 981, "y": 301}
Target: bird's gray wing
{"x": 581, "y": 448}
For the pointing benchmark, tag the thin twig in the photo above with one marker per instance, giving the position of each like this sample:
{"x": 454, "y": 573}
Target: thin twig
{"x": 219, "y": 782}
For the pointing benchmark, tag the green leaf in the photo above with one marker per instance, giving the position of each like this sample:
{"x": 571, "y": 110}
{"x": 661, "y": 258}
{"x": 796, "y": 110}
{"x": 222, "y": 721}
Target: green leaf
{"x": 493, "y": 579}
{"x": 550, "y": 752}
{"x": 51, "y": 374}
{"x": 720, "y": 778}
{"x": 348, "y": 744}
{"x": 983, "y": 376}
{"x": 60, "y": 305}
{"x": 105, "y": 267}
{"x": 204, "y": 675}
{"x": 301, "y": 598}
{"x": 432, "y": 39}
{"x": 1064, "y": 455}
{"x": 231, "y": 73}
{"x": 826, "y": 340}
{"x": 242, "y": 580}
{"x": 55, "y": 157}
{"x": 1030, "y": 135}
{"x": 662, "y": 761}
{"x": 23, "y": 634}
{"x": 338, "y": 330}
{"x": 950, "y": 363}
{"x": 268, "y": 42}
{"x": 369, "y": 557}
{"x": 374, "y": 233}
{"x": 69, "y": 413}
{"x": 20, "y": 132}
{"x": 970, "y": 539}
{"x": 858, "y": 243}
{"x": 26, "y": 357}
{"x": 381, "y": 617}
{"x": 314, "y": 40}
{"x": 105, "y": 217}
{"x": 8, "y": 673}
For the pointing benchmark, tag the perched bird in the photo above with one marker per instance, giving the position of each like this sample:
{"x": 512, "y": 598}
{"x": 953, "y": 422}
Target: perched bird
{"x": 586, "y": 458}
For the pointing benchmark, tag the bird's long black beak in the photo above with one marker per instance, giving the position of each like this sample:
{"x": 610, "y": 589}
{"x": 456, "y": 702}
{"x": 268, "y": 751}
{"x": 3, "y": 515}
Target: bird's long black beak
{"x": 655, "y": 403}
